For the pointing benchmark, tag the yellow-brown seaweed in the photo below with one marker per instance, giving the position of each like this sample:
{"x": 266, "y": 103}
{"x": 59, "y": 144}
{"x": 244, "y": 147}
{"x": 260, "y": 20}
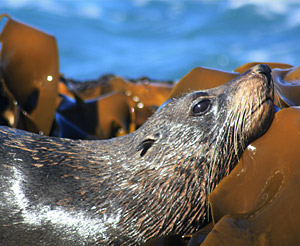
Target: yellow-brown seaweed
{"x": 259, "y": 202}
{"x": 29, "y": 68}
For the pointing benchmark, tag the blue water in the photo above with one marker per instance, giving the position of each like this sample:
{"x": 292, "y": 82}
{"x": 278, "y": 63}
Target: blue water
{"x": 163, "y": 39}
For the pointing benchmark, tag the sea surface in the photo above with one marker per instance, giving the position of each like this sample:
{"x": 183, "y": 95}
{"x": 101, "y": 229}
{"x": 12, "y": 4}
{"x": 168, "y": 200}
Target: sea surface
{"x": 163, "y": 39}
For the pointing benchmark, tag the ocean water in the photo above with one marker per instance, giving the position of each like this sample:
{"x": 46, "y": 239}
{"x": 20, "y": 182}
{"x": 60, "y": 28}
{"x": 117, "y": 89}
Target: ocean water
{"x": 163, "y": 39}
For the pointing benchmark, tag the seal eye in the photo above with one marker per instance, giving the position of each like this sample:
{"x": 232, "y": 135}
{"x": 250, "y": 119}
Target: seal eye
{"x": 200, "y": 107}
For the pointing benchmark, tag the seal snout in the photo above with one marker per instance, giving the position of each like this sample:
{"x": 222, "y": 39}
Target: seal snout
{"x": 265, "y": 70}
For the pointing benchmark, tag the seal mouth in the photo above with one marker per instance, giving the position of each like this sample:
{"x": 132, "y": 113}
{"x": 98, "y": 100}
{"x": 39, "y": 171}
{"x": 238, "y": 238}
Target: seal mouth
{"x": 267, "y": 101}
{"x": 269, "y": 95}
{"x": 261, "y": 115}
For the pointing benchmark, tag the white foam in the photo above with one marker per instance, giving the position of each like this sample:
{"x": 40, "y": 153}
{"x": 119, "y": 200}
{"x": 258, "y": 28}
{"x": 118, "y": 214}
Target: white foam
{"x": 293, "y": 18}
{"x": 264, "y": 6}
{"x": 90, "y": 11}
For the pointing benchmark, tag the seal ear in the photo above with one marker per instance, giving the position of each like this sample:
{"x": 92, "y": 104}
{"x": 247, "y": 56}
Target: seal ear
{"x": 147, "y": 143}
{"x": 144, "y": 146}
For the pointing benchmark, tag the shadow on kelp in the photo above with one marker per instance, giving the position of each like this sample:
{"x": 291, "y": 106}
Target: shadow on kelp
{"x": 108, "y": 107}
{"x": 256, "y": 204}
{"x": 29, "y": 77}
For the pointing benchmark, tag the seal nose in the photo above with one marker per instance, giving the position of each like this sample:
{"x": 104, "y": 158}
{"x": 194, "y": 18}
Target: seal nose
{"x": 263, "y": 69}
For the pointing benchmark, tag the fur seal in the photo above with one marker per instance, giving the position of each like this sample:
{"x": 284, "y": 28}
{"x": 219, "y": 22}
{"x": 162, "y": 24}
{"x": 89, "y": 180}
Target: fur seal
{"x": 125, "y": 190}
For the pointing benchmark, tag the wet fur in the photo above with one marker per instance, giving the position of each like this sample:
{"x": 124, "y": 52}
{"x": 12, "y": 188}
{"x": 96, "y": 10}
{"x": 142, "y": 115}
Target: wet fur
{"x": 126, "y": 190}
